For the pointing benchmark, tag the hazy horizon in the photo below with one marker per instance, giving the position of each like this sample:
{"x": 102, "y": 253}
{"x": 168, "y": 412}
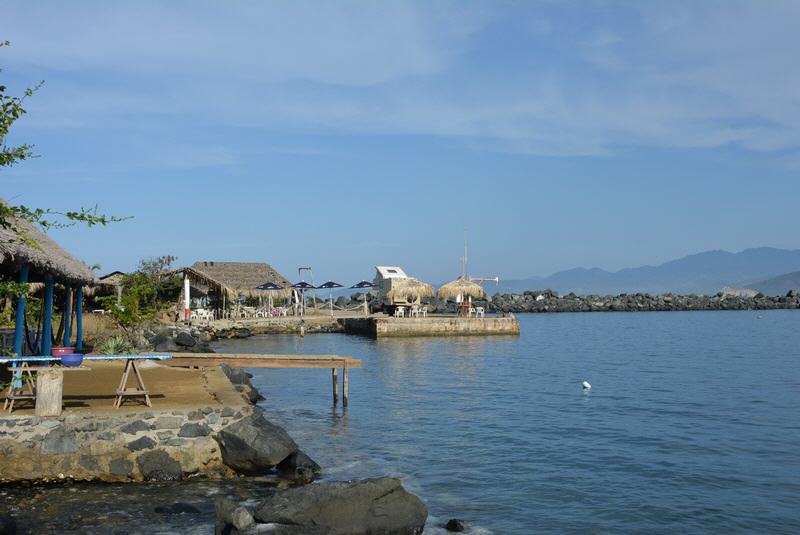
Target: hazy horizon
{"x": 341, "y": 136}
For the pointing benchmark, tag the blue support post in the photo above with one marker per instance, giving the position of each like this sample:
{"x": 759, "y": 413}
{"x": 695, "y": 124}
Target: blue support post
{"x": 79, "y": 318}
{"x": 19, "y": 324}
{"x": 47, "y": 328}
{"x": 67, "y": 316}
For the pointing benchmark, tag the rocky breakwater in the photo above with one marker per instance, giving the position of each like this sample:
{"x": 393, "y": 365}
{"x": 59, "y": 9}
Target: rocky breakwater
{"x": 550, "y": 301}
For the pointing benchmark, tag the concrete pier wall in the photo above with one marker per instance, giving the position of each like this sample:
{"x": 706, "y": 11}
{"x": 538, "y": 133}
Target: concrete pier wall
{"x": 430, "y": 326}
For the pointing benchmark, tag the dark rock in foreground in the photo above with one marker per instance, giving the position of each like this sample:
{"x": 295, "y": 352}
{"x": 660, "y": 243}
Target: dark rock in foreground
{"x": 299, "y": 468}
{"x": 253, "y": 445}
{"x": 366, "y": 507}
{"x": 456, "y": 525}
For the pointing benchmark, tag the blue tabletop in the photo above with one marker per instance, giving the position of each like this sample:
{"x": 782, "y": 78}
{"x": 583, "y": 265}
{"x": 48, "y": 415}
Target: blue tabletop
{"x": 40, "y": 358}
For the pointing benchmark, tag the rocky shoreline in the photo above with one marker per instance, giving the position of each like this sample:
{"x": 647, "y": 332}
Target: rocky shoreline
{"x": 220, "y": 442}
{"x": 541, "y": 301}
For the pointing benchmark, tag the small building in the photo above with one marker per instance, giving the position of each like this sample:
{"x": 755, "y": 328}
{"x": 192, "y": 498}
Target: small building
{"x": 395, "y": 288}
{"x": 28, "y": 255}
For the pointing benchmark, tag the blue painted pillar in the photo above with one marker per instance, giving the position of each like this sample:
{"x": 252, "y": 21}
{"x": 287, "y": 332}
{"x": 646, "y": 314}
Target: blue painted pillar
{"x": 67, "y": 316}
{"x": 79, "y": 318}
{"x": 19, "y": 324}
{"x": 47, "y": 328}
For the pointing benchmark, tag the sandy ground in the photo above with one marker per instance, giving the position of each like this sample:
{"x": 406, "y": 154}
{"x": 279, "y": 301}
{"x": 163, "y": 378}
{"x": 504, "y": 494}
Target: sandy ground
{"x": 170, "y": 389}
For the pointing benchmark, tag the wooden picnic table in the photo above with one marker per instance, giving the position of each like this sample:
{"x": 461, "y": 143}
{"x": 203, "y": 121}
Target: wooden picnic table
{"x": 49, "y": 380}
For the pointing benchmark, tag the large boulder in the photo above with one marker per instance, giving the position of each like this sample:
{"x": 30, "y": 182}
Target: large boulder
{"x": 253, "y": 445}
{"x": 299, "y": 467}
{"x": 367, "y": 507}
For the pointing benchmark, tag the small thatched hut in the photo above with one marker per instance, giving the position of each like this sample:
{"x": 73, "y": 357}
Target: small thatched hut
{"x": 28, "y": 255}
{"x": 24, "y": 244}
{"x": 228, "y": 280}
{"x": 409, "y": 289}
{"x": 463, "y": 288}
{"x": 241, "y": 278}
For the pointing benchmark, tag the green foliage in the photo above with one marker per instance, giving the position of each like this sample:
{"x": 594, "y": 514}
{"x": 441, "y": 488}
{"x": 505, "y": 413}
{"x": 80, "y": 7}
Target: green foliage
{"x": 12, "y": 109}
{"x": 144, "y": 293}
{"x": 13, "y": 289}
{"x": 116, "y": 345}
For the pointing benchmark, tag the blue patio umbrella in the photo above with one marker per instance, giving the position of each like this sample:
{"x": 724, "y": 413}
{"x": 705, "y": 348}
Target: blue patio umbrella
{"x": 302, "y": 286}
{"x": 330, "y": 285}
{"x": 362, "y": 285}
{"x": 269, "y": 286}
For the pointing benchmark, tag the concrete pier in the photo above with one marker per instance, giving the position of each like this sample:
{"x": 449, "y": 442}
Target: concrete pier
{"x": 386, "y": 327}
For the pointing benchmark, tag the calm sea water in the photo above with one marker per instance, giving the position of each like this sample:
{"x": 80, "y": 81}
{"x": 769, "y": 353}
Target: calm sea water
{"x": 692, "y": 426}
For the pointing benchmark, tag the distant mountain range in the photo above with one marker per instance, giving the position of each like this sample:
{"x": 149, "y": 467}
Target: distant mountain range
{"x": 702, "y": 273}
{"x": 778, "y": 285}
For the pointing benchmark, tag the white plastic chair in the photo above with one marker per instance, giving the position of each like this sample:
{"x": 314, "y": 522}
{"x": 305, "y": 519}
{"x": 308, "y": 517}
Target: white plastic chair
{"x": 479, "y": 312}
{"x": 414, "y": 312}
{"x": 424, "y": 311}
{"x": 400, "y": 312}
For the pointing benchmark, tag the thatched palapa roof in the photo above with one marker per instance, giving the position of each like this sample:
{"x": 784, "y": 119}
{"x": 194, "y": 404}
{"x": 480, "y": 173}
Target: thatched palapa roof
{"x": 409, "y": 288}
{"x": 238, "y": 278}
{"x": 24, "y": 243}
{"x": 462, "y": 287}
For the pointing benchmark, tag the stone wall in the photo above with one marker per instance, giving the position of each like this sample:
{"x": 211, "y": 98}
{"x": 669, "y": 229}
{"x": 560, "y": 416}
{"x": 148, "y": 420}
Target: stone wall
{"x": 162, "y": 445}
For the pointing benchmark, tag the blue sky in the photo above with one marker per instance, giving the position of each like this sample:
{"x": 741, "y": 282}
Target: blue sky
{"x": 343, "y": 135}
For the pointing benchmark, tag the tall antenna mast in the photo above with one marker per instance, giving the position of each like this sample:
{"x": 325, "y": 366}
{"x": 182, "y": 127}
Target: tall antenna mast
{"x": 464, "y": 258}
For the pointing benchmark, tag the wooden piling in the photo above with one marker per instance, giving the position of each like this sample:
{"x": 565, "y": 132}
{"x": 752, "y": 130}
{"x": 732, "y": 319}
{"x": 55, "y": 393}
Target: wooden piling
{"x": 335, "y": 381}
{"x": 345, "y": 384}
{"x": 49, "y": 389}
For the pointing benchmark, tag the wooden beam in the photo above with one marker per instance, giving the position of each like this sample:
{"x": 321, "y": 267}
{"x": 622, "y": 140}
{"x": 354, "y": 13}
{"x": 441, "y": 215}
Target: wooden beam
{"x": 261, "y": 361}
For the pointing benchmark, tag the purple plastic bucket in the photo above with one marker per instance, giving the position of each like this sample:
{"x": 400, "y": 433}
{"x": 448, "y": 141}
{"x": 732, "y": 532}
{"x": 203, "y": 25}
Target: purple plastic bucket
{"x": 72, "y": 360}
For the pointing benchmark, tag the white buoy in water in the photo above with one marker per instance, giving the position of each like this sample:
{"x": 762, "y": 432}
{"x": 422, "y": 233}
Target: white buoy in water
{"x": 586, "y": 385}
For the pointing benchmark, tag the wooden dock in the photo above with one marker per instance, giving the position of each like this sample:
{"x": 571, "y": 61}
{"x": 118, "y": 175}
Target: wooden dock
{"x": 243, "y": 360}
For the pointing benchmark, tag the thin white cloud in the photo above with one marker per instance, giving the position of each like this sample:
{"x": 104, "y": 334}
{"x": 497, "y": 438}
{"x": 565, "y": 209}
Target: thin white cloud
{"x": 684, "y": 74}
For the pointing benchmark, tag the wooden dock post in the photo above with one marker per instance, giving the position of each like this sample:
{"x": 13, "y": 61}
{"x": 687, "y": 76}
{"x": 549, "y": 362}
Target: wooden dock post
{"x": 335, "y": 380}
{"x": 345, "y": 384}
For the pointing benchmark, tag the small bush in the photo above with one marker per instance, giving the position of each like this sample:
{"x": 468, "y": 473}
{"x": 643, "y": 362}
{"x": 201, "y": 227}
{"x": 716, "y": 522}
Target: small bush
{"x": 116, "y": 345}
